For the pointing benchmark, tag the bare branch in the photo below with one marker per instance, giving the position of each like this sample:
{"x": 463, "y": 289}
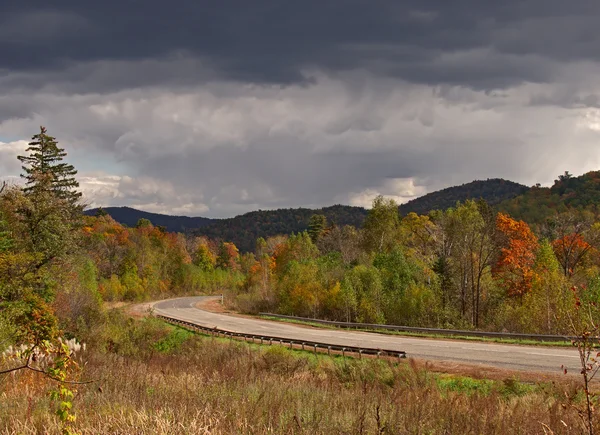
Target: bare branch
{"x": 27, "y": 366}
{"x": 14, "y": 369}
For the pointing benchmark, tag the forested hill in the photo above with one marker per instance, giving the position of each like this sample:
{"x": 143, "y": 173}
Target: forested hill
{"x": 243, "y": 230}
{"x": 493, "y": 190}
{"x": 130, "y": 216}
{"x": 568, "y": 192}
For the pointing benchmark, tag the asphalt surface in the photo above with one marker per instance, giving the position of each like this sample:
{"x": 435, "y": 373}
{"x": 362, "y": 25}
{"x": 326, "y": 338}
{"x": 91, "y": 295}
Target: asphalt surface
{"x": 507, "y": 356}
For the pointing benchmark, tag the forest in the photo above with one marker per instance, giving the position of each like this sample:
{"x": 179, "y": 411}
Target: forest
{"x": 469, "y": 266}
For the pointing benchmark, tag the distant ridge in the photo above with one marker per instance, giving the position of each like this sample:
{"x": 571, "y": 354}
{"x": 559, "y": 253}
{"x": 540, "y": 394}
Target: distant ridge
{"x": 243, "y": 230}
{"x": 493, "y": 190}
{"x": 129, "y": 216}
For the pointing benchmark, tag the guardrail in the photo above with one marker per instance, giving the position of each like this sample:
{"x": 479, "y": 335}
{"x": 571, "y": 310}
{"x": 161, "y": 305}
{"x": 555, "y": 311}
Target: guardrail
{"x": 457, "y": 332}
{"x": 303, "y": 344}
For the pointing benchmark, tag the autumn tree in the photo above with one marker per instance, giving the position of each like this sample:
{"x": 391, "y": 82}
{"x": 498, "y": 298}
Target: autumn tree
{"x": 417, "y": 235}
{"x": 517, "y": 256}
{"x": 228, "y": 256}
{"x": 298, "y": 247}
{"x": 345, "y": 240}
{"x": 262, "y": 272}
{"x": 571, "y": 233}
{"x": 204, "y": 258}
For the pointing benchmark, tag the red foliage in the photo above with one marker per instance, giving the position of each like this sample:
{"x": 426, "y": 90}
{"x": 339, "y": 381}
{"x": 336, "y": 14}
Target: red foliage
{"x": 570, "y": 251}
{"x": 517, "y": 256}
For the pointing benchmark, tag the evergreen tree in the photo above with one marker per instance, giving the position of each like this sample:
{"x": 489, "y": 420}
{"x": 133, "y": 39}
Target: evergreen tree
{"x": 45, "y": 161}
{"x": 316, "y": 226}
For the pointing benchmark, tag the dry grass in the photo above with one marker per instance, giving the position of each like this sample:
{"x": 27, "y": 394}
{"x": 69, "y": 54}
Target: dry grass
{"x": 207, "y": 385}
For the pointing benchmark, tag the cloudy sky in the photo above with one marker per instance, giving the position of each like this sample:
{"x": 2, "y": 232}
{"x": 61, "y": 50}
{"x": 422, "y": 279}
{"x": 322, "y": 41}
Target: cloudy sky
{"x": 215, "y": 108}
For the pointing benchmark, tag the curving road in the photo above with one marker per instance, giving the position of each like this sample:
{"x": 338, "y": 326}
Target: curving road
{"x": 513, "y": 357}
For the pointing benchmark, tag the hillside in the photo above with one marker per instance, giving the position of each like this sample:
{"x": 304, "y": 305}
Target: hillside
{"x": 494, "y": 191}
{"x": 129, "y": 216}
{"x": 243, "y": 230}
{"x": 567, "y": 192}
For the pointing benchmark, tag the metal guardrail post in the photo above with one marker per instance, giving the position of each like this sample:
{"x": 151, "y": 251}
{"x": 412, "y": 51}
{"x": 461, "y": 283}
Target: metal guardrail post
{"x": 314, "y": 344}
{"x": 350, "y": 325}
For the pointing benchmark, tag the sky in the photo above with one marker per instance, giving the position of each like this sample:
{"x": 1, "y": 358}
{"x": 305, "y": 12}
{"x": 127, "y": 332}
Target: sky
{"x": 216, "y": 108}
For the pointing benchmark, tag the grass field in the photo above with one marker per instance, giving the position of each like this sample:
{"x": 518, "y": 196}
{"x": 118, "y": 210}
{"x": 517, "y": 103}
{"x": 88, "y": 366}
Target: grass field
{"x": 156, "y": 378}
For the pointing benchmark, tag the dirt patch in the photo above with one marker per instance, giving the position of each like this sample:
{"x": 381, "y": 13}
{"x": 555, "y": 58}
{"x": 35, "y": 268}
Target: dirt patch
{"x": 214, "y": 306}
{"x": 131, "y": 309}
{"x": 139, "y": 310}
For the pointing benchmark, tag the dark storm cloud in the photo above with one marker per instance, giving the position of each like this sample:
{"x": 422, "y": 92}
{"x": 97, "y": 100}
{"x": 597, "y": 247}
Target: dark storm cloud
{"x": 275, "y": 41}
{"x": 221, "y": 107}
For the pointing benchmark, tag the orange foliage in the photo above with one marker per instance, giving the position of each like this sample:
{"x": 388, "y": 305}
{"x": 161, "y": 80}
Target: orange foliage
{"x": 228, "y": 256}
{"x": 570, "y": 250}
{"x": 517, "y": 257}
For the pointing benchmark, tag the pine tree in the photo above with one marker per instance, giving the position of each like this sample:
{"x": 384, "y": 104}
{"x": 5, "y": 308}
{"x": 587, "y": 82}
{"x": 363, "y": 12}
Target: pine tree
{"x": 45, "y": 161}
{"x": 316, "y": 226}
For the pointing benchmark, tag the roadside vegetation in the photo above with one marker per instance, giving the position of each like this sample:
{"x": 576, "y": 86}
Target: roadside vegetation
{"x": 156, "y": 378}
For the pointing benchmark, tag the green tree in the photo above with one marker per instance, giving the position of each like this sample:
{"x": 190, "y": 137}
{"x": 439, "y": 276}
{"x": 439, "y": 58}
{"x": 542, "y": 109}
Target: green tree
{"x": 381, "y": 225}
{"x": 204, "y": 258}
{"x": 5, "y": 239}
{"x": 363, "y": 290}
{"x": 40, "y": 223}
{"x": 316, "y": 226}
{"x": 143, "y": 223}
{"x": 45, "y": 159}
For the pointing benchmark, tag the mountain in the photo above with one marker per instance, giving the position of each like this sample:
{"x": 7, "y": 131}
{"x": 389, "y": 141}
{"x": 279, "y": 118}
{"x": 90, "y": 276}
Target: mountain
{"x": 493, "y": 190}
{"x": 129, "y": 216}
{"x": 568, "y": 192}
{"x": 243, "y": 230}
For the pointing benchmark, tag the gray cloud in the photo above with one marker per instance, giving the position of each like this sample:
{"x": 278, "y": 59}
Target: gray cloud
{"x": 467, "y": 42}
{"x": 221, "y": 108}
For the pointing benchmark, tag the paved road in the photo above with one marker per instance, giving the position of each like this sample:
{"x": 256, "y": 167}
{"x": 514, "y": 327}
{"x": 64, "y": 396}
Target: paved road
{"x": 514, "y": 357}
